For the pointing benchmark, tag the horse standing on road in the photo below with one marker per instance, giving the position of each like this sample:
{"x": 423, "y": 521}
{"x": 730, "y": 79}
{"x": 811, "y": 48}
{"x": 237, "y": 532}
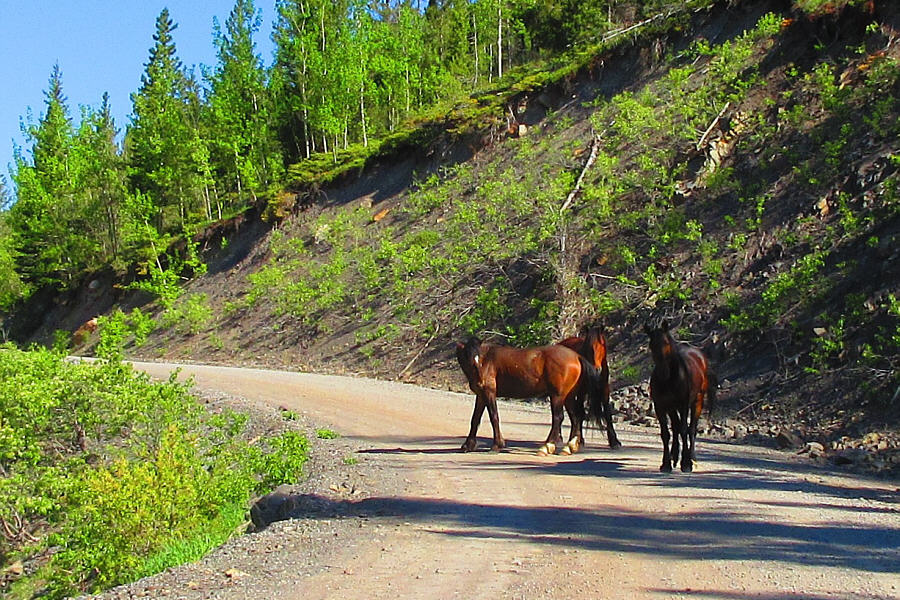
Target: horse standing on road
{"x": 554, "y": 371}
{"x": 681, "y": 382}
{"x": 592, "y": 346}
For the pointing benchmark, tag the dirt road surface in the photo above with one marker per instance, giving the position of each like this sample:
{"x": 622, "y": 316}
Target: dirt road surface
{"x": 434, "y": 523}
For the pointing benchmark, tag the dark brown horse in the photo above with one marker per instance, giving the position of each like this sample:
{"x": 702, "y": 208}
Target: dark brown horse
{"x": 555, "y": 371}
{"x": 681, "y": 382}
{"x": 592, "y": 346}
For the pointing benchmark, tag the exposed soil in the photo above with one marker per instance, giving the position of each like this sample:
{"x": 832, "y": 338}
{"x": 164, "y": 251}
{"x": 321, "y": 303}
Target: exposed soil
{"x": 412, "y": 517}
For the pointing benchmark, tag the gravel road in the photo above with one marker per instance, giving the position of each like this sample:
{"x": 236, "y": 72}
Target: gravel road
{"x": 391, "y": 509}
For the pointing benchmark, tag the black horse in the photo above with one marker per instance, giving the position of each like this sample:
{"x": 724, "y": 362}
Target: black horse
{"x": 681, "y": 382}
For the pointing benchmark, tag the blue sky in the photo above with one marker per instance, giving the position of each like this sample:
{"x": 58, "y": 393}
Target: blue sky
{"x": 101, "y": 46}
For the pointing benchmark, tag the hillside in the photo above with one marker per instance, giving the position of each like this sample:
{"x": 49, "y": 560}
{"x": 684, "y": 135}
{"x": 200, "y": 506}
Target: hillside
{"x": 734, "y": 169}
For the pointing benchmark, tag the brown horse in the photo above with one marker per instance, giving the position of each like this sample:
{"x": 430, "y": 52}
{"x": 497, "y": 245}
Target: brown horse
{"x": 592, "y": 346}
{"x": 555, "y": 371}
{"x": 681, "y": 380}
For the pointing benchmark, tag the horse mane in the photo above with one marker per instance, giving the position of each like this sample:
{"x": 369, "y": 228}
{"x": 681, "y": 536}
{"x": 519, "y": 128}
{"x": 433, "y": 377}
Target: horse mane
{"x": 591, "y": 335}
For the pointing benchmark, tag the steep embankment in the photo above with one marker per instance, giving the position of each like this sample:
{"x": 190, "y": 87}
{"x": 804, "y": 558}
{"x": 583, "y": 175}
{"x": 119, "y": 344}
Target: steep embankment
{"x": 734, "y": 169}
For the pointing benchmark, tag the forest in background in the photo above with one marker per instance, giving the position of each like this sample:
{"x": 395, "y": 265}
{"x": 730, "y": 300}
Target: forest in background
{"x": 200, "y": 147}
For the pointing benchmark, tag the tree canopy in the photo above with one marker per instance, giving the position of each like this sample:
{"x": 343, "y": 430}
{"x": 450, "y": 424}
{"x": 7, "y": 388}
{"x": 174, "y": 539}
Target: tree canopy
{"x": 343, "y": 72}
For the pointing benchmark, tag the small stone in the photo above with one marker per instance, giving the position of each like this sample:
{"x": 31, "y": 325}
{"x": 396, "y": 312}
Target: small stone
{"x": 16, "y": 569}
{"x": 787, "y": 439}
{"x": 814, "y": 449}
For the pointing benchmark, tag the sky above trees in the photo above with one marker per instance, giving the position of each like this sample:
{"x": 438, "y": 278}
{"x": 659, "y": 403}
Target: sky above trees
{"x": 100, "y": 46}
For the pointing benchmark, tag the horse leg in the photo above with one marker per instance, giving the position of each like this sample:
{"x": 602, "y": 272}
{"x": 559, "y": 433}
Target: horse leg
{"x": 575, "y": 409}
{"x": 494, "y": 415}
{"x": 555, "y": 436}
{"x": 611, "y": 436}
{"x": 690, "y": 433}
{"x": 666, "y": 466}
{"x": 686, "y": 464}
{"x": 472, "y": 440}
{"x": 677, "y": 423}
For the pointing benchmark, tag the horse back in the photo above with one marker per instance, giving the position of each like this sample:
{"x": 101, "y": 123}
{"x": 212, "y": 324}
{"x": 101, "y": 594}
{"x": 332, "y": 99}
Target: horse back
{"x": 530, "y": 372}
{"x": 572, "y": 343}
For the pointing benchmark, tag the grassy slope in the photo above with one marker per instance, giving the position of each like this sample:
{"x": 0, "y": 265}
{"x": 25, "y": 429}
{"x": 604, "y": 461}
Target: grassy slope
{"x": 781, "y": 259}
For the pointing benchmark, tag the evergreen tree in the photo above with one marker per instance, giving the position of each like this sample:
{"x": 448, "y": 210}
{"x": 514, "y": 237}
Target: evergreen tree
{"x": 168, "y": 158}
{"x": 244, "y": 147}
{"x": 50, "y": 246}
{"x": 102, "y": 178}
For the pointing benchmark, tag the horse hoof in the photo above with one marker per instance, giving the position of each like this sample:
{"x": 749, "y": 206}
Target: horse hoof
{"x": 571, "y": 448}
{"x": 687, "y": 468}
{"x": 615, "y": 445}
{"x": 547, "y": 449}
{"x": 467, "y": 447}
{"x": 665, "y": 468}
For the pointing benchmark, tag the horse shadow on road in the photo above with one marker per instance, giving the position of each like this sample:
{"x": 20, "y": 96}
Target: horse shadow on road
{"x": 725, "y": 535}
{"x": 743, "y": 529}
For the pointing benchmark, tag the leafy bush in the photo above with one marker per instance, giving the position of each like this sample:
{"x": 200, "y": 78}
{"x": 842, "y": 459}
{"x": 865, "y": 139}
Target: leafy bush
{"x": 190, "y": 316}
{"x": 116, "y": 328}
{"x": 116, "y": 476}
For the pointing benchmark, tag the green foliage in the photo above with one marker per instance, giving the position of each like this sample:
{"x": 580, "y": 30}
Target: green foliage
{"x": 190, "y": 316}
{"x": 489, "y": 307}
{"x": 799, "y": 284}
{"x": 327, "y": 434}
{"x": 165, "y": 282}
{"x": 142, "y": 325}
{"x": 116, "y": 329}
{"x": 121, "y": 476}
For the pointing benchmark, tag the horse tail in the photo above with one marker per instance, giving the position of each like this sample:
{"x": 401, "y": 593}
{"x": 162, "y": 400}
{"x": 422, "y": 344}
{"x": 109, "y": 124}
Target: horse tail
{"x": 594, "y": 388}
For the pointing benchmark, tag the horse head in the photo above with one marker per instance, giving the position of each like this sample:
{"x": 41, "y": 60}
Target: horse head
{"x": 468, "y": 356}
{"x": 594, "y": 346}
{"x": 662, "y": 346}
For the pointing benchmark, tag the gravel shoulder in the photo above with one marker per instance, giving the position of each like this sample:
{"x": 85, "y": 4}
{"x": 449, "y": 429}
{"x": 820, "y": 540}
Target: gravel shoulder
{"x": 391, "y": 509}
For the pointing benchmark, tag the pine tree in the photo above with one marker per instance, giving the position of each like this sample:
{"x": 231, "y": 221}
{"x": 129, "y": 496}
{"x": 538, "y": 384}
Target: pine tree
{"x": 49, "y": 249}
{"x": 168, "y": 159}
{"x": 244, "y": 146}
{"x": 102, "y": 178}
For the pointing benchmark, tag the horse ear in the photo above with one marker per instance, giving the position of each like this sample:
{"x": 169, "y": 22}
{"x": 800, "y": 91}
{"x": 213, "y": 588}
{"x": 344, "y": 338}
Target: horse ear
{"x": 665, "y": 325}
{"x": 459, "y": 346}
{"x": 646, "y": 328}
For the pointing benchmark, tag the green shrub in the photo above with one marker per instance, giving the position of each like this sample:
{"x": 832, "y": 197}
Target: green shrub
{"x": 117, "y": 476}
{"x": 190, "y": 316}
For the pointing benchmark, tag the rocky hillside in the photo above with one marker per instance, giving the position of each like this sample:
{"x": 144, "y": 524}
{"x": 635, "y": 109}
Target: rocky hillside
{"x": 734, "y": 169}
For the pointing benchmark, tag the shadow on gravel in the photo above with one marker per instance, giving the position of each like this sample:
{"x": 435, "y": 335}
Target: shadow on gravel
{"x": 726, "y": 595}
{"x": 722, "y": 536}
{"x": 444, "y": 445}
{"x": 639, "y": 463}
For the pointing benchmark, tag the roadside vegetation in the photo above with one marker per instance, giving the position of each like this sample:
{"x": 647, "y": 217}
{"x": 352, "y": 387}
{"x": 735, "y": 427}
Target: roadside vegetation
{"x": 108, "y": 476}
